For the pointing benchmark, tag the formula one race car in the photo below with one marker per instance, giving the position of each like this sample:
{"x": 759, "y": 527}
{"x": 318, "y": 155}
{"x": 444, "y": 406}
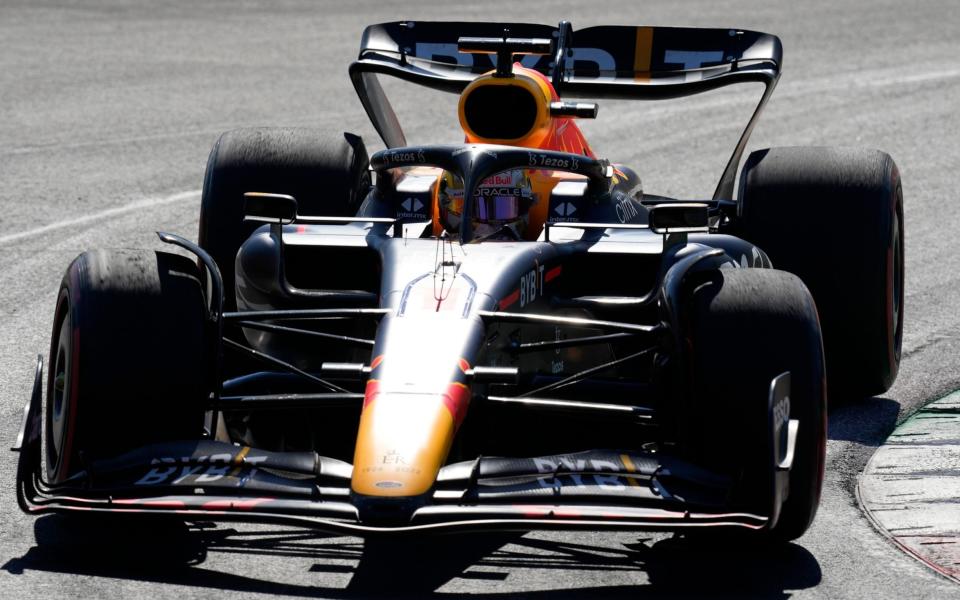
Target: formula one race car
{"x": 507, "y": 333}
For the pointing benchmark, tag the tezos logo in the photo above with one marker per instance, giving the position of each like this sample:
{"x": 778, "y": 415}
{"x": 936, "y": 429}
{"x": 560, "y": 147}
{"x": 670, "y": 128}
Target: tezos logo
{"x": 405, "y": 157}
{"x": 535, "y": 159}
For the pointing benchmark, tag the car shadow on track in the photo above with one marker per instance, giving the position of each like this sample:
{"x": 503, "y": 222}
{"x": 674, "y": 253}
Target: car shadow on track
{"x": 174, "y": 553}
{"x": 866, "y": 421}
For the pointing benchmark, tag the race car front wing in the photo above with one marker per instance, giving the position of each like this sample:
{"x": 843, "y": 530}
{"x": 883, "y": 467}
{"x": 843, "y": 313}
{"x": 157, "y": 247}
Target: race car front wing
{"x": 211, "y": 480}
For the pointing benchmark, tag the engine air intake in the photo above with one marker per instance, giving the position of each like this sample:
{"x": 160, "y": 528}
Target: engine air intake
{"x": 507, "y": 110}
{"x": 504, "y": 112}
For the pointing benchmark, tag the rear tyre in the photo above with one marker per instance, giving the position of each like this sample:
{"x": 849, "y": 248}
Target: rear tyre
{"x": 834, "y": 217}
{"x": 747, "y": 326}
{"x": 327, "y": 174}
{"x": 128, "y": 357}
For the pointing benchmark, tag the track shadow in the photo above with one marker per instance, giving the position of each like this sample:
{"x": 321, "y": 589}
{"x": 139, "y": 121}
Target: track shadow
{"x": 683, "y": 568}
{"x": 674, "y": 568}
{"x": 866, "y": 421}
{"x": 174, "y": 553}
{"x": 171, "y": 552}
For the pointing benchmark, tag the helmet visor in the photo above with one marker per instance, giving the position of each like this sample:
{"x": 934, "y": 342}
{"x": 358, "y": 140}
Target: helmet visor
{"x": 496, "y": 208}
{"x": 489, "y": 208}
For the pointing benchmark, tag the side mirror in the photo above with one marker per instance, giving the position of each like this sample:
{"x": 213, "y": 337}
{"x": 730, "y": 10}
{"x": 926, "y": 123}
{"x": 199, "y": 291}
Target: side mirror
{"x": 269, "y": 208}
{"x": 678, "y": 217}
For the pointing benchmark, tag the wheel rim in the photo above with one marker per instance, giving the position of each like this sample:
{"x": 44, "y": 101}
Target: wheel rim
{"x": 58, "y": 413}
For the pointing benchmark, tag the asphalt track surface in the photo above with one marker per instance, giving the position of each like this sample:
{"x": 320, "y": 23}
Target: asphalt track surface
{"x": 108, "y": 111}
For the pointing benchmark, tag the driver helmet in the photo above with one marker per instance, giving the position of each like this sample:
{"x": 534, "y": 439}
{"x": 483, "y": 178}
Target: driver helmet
{"x": 501, "y": 204}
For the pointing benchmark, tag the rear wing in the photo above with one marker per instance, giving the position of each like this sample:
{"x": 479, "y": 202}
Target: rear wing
{"x": 622, "y": 62}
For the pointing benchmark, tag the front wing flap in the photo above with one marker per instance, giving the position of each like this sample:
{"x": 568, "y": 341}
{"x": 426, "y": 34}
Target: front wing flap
{"x": 209, "y": 480}
{"x": 314, "y": 492}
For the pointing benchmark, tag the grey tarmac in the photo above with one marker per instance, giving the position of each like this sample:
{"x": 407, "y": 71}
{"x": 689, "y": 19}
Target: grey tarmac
{"x": 108, "y": 110}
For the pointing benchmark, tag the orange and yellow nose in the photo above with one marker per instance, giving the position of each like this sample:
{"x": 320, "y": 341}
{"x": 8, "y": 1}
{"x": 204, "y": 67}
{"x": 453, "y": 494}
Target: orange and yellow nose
{"x": 404, "y": 439}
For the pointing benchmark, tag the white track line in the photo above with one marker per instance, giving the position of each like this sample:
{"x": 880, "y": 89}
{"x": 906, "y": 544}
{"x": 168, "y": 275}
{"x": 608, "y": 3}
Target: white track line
{"x": 142, "y": 204}
{"x": 914, "y": 78}
{"x": 800, "y": 88}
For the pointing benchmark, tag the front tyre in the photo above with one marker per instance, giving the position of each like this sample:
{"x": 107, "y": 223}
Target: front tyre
{"x": 128, "y": 357}
{"x": 745, "y": 327}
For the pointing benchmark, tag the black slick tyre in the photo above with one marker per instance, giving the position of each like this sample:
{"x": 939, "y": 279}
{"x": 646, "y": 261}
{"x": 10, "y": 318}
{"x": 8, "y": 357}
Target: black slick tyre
{"x": 326, "y": 173}
{"x": 128, "y": 357}
{"x": 834, "y": 217}
{"x": 745, "y": 327}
